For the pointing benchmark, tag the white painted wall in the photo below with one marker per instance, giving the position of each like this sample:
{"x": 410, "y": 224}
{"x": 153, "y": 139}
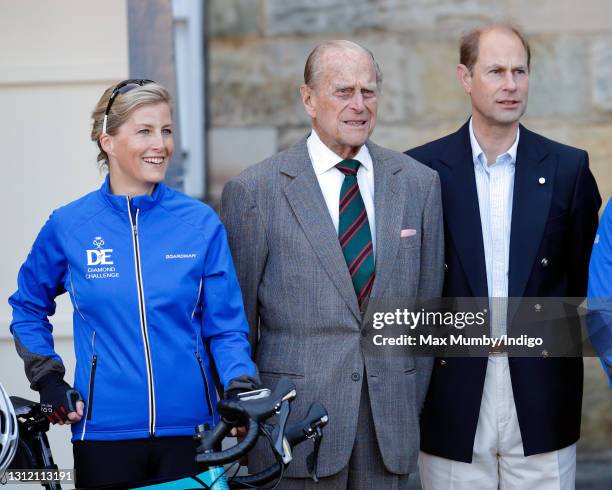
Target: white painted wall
{"x": 189, "y": 64}
{"x": 56, "y": 60}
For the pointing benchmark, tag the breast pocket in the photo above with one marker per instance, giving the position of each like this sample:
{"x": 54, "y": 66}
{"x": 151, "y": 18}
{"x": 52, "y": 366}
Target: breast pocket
{"x": 410, "y": 241}
{"x": 410, "y": 233}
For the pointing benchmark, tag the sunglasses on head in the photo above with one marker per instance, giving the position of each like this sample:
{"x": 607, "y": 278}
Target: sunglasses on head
{"x": 122, "y": 88}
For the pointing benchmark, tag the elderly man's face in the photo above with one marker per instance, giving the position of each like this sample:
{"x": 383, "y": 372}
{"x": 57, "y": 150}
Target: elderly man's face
{"x": 343, "y": 103}
{"x": 499, "y": 83}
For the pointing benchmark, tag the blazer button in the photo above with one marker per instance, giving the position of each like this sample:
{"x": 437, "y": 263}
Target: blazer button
{"x": 355, "y": 376}
{"x": 445, "y": 267}
{"x": 442, "y": 362}
{"x": 545, "y": 353}
{"x": 544, "y": 262}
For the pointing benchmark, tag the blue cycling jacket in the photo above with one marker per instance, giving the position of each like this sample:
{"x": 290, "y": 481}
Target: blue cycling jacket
{"x": 600, "y": 292}
{"x": 154, "y": 292}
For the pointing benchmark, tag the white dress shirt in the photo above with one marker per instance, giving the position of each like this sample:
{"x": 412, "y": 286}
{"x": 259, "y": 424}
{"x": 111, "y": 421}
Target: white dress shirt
{"x": 330, "y": 179}
{"x": 495, "y": 188}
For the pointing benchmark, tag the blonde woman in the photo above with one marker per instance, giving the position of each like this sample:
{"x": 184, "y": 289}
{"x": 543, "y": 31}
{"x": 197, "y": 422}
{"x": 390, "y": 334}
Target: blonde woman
{"x": 156, "y": 304}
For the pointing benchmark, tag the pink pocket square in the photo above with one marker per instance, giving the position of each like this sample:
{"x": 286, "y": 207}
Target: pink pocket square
{"x": 407, "y": 232}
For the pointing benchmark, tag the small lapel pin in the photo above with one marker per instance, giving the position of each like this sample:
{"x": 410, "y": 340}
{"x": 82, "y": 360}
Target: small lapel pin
{"x": 542, "y": 180}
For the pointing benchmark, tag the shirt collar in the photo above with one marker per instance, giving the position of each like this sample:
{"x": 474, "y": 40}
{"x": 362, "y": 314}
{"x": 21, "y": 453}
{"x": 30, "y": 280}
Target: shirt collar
{"x": 478, "y": 156}
{"x": 323, "y": 159}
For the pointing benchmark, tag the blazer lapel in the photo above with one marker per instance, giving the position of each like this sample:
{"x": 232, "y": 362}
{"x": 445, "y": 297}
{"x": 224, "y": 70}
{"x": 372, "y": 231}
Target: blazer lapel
{"x": 306, "y": 200}
{"x": 530, "y": 208}
{"x": 462, "y": 212}
{"x": 388, "y": 208}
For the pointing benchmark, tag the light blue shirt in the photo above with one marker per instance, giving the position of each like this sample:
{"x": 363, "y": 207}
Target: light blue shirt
{"x": 495, "y": 188}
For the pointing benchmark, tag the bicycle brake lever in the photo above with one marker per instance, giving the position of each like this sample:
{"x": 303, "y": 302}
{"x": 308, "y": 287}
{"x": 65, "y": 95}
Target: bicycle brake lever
{"x": 312, "y": 460}
{"x": 281, "y": 446}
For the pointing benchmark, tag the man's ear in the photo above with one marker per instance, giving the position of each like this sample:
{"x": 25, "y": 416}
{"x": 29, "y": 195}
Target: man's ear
{"x": 307, "y": 100}
{"x": 465, "y": 78}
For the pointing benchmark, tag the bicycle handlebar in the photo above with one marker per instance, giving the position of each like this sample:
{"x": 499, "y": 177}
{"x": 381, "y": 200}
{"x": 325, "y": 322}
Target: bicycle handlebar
{"x": 235, "y": 412}
{"x": 234, "y": 453}
{"x": 297, "y": 432}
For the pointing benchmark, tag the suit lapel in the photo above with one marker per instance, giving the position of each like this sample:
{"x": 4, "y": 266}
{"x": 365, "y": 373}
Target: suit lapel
{"x": 530, "y": 208}
{"x": 462, "y": 212}
{"x": 306, "y": 200}
{"x": 389, "y": 206}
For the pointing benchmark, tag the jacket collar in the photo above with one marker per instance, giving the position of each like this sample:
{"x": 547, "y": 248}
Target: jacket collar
{"x": 530, "y": 207}
{"x": 297, "y": 158}
{"x": 533, "y": 190}
{"x": 305, "y": 198}
{"x": 458, "y": 151}
{"x": 143, "y": 203}
{"x": 461, "y": 208}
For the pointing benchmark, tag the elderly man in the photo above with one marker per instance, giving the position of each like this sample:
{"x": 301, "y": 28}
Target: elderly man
{"x": 520, "y": 214}
{"x": 316, "y": 231}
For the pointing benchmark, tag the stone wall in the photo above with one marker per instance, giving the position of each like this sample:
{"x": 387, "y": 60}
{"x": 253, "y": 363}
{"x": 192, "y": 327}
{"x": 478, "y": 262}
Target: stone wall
{"x": 257, "y": 50}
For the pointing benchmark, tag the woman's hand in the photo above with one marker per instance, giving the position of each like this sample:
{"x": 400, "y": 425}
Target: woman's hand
{"x": 58, "y": 401}
{"x": 238, "y": 431}
{"x": 75, "y": 417}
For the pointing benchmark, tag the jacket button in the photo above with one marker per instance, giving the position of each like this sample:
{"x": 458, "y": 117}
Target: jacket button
{"x": 545, "y": 353}
{"x": 544, "y": 262}
{"x": 355, "y": 376}
{"x": 364, "y": 332}
{"x": 442, "y": 362}
{"x": 445, "y": 267}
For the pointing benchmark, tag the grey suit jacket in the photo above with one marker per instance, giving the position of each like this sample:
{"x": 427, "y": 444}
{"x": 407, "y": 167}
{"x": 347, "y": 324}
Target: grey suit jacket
{"x": 302, "y": 309}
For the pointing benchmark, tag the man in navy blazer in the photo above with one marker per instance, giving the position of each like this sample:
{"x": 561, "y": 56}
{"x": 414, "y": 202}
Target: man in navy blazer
{"x": 520, "y": 215}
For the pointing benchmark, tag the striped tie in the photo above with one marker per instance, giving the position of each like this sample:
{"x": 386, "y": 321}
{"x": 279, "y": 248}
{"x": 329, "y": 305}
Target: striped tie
{"x": 354, "y": 232}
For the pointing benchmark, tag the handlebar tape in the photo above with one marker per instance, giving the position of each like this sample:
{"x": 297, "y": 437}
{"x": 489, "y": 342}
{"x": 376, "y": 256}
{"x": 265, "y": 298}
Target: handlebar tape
{"x": 234, "y": 453}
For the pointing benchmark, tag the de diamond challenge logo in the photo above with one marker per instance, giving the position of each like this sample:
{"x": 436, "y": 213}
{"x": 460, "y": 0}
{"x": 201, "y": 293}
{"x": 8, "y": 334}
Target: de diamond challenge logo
{"x": 100, "y": 263}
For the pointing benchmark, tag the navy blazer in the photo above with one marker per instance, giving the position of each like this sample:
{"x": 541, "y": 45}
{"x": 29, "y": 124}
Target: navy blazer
{"x": 555, "y": 221}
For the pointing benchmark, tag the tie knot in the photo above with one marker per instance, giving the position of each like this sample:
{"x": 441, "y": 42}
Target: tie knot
{"x": 348, "y": 167}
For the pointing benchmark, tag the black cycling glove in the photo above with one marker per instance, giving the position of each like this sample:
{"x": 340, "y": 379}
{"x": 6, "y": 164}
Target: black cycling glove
{"x": 241, "y": 384}
{"x": 57, "y": 398}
